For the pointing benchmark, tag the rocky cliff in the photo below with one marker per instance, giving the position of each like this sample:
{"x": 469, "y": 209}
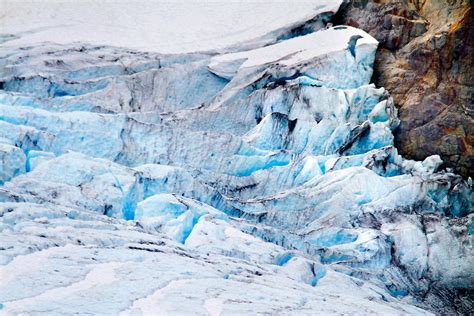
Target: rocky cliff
{"x": 425, "y": 61}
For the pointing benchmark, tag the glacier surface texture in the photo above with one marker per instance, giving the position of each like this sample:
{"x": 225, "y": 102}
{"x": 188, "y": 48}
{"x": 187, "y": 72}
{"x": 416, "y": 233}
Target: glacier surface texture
{"x": 247, "y": 172}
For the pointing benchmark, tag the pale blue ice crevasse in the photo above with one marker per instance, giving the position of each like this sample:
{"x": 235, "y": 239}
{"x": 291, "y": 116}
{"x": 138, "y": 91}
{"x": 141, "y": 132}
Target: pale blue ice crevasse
{"x": 268, "y": 171}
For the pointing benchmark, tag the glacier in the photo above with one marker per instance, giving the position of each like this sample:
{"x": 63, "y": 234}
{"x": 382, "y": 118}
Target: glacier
{"x": 257, "y": 176}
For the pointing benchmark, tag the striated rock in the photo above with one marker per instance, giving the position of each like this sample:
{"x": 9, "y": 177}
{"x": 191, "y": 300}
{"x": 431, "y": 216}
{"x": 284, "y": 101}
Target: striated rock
{"x": 425, "y": 61}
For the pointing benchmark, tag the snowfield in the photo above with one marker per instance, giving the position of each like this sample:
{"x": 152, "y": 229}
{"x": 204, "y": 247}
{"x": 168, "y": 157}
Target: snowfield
{"x": 177, "y": 158}
{"x": 159, "y": 26}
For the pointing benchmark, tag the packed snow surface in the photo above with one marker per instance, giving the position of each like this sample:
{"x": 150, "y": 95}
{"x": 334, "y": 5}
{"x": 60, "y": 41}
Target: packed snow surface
{"x": 256, "y": 178}
{"x": 162, "y": 26}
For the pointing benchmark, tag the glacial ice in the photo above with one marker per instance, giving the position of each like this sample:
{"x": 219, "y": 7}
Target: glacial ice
{"x": 259, "y": 180}
{"x": 13, "y": 162}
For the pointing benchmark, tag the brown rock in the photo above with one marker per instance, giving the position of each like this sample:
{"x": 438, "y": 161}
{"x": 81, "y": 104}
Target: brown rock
{"x": 425, "y": 59}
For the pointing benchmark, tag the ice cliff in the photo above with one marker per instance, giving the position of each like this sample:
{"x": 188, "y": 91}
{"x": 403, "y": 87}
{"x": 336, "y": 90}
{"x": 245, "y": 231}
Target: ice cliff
{"x": 257, "y": 179}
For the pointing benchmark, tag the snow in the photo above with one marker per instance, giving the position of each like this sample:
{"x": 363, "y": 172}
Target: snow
{"x": 101, "y": 274}
{"x": 162, "y": 26}
{"x": 214, "y": 306}
{"x": 309, "y": 46}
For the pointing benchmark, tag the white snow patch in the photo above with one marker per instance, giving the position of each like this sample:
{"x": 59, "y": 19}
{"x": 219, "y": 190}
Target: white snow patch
{"x": 150, "y": 305}
{"x": 214, "y": 306}
{"x": 298, "y": 49}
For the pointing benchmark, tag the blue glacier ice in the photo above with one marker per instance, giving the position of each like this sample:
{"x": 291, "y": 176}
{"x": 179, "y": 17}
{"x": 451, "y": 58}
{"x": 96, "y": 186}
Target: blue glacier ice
{"x": 256, "y": 180}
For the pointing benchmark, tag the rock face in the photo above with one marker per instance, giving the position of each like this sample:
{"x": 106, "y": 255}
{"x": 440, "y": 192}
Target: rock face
{"x": 425, "y": 61}
{"x": 259, "y": 180}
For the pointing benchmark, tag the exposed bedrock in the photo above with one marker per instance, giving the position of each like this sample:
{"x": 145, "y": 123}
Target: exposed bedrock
{"x": 425, "y": 61}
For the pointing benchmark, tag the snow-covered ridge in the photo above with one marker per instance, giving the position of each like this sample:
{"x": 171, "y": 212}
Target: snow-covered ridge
{"x": 310, "y": 46}
{"x": 260, "y": 181}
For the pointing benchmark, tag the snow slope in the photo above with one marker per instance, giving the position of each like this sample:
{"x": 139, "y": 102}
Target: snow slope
{"x": 160, "y": 26}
